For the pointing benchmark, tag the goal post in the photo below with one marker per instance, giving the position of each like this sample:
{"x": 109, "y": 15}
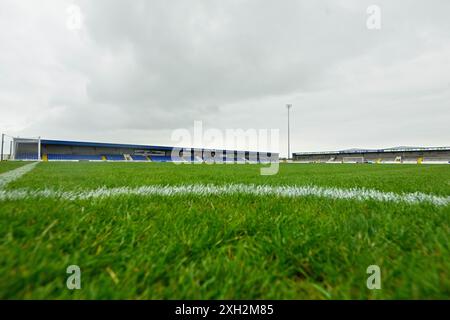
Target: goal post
{"x": 27, "y": 149}
{"x": 353, "y": 159}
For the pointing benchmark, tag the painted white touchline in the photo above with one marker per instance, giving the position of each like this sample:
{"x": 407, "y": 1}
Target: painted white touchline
{"x": 15, "y": 174}
{"x": 230, "y": 189}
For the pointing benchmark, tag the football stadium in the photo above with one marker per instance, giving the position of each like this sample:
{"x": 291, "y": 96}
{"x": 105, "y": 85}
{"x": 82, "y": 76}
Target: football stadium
{"x": 202, "y": 158}
{"x": 419, "y": 155}
{"x": 59, "y": 150}
{"x": 142, "y": 225}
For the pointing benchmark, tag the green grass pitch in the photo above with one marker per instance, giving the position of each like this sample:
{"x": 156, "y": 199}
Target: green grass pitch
{"x": 7, "y": 166}
{"x": 238, "y": 246}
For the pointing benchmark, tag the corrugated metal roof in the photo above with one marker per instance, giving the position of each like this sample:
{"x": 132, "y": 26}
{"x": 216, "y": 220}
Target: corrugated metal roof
{"x": 102, "y": 145}
{"x": 128, "y": 146}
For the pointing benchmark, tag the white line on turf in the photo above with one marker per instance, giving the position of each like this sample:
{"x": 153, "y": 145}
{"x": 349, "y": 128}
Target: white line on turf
{"x": 230, "y": 189}
{"x": 15, "y": 174}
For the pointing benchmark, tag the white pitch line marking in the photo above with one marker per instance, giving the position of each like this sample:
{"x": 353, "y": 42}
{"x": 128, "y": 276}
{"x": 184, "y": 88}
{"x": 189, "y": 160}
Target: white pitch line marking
{"x": 359, "y": 194}
{"x": 10, "y": 176}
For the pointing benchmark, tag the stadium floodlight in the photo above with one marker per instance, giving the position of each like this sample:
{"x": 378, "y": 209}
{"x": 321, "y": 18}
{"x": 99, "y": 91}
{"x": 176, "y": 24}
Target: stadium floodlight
{"x": 289, "y": 106}
{"x": 39, "y": 148}
{"x": 3, "y": 142}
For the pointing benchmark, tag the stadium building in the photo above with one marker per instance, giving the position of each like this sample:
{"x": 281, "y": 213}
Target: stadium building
{"x": 418, "y": 155}
{"x": 59, "y": 150}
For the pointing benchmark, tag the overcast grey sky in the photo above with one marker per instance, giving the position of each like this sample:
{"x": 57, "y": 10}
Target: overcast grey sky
{"x": 133, "y": 71}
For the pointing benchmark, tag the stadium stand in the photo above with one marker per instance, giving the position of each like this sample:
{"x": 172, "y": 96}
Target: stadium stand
{"x": 60, "y": 150}
{"x": 418, "y": 155}
{"x": 137, "y": 157}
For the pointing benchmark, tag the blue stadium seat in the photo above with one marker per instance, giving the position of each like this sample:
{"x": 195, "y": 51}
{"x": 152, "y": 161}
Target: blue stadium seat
{"x": 137, "y": 157}
{"x": 161, "y": 158}
{"x": 71, "y": 157}
{"x": 26, "y": 156}
{"x": 115, "y": 157}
